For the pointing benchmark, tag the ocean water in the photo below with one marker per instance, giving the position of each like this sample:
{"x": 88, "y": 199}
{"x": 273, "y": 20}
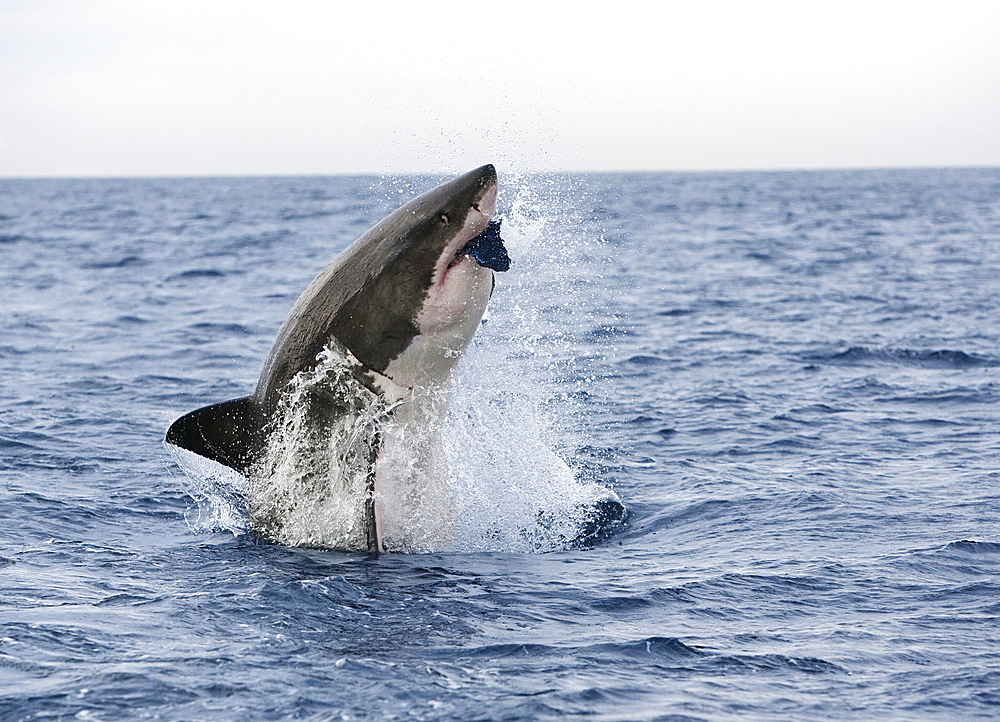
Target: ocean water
{"x": 791, "y": 380}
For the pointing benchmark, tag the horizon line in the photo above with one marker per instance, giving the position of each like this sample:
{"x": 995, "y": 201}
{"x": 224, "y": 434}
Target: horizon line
{"x": 501, "y": 171}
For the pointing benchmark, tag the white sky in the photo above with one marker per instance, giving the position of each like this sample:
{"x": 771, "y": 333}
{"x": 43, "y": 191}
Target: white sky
{"x": 181, "y": 87}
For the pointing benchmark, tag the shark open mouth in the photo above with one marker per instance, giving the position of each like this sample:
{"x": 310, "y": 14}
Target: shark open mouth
{"x": 487, "y": 248}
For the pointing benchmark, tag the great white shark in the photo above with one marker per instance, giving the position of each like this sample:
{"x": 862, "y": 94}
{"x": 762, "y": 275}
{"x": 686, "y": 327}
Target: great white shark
{"x": 340, "y": 439}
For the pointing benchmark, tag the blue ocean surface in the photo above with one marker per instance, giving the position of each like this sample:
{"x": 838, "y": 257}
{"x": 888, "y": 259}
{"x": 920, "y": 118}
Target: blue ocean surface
{"x": 790, "y": 379}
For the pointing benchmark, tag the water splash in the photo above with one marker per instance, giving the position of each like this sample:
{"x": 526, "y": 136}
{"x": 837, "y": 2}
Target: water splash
{"x": 220, "y": 493}
{"x": 313, "y": 486}
{"x": 509, "y": 427}
{"x": 489, "y": 473}
{"x": 514, "y": 492}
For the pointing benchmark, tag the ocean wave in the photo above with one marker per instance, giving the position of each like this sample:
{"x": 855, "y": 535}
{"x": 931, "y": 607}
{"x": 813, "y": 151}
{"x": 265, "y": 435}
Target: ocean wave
{"x": 197, "y": 273}
{"x": 806, "y": 442}
{"x": 941, "y": 358}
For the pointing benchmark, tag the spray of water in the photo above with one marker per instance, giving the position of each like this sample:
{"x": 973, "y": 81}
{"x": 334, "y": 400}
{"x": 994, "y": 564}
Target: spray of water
{"x": 312, "y": 485}
{"x": 220, "y": 494}
{"x": 508, "y": 429}
{"x": 474, "y": 465}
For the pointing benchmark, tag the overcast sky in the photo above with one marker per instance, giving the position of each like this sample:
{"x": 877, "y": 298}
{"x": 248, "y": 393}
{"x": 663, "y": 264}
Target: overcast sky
{"x": 151, "y": 87}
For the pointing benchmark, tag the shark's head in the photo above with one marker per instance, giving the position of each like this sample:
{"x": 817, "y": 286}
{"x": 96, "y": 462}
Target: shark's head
{"x": 407, "y": 296}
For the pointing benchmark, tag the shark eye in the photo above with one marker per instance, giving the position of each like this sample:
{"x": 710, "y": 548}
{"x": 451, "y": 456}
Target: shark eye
{"x": 443, "y": 218}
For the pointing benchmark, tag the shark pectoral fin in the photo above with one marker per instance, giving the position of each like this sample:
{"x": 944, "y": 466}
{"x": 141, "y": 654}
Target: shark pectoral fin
{"x": 229, "y": 433}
